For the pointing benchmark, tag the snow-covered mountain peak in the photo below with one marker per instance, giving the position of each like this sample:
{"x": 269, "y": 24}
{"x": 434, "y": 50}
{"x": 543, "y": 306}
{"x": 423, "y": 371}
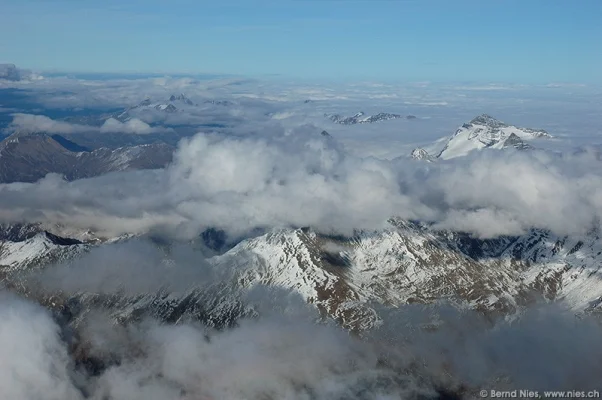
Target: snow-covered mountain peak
{"x": 37, "y": 250}
{"x": 405, "y": 263}
{"x": 488, "y": 120}
{"x": 421, "y": 154}
{"x": 361, "y": 118}
{"x": 181, "y": 97}
{"x": 165, "y": 106}
{"x": 486, "y": 131}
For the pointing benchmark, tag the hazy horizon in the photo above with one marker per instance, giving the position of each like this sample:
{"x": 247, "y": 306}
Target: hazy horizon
{"x": 466, "y": 40}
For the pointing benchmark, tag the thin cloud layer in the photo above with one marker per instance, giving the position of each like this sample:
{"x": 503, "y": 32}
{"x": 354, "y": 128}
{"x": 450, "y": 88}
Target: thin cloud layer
{"x": 30, "y": 123}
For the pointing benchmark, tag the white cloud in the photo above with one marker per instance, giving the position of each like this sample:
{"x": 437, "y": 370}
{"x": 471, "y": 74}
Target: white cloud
{"x": 29, "y": 123}
{"x": 34, "y": 363}
{"x": 298, "y": 177}
{"x": 134, "y": 125}
{"x": 283, "y": 354}
{"x": 267, "y": 171}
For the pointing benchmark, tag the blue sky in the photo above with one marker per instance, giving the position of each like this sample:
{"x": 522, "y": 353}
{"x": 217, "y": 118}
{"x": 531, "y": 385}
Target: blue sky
{"x": 406, "y": 40}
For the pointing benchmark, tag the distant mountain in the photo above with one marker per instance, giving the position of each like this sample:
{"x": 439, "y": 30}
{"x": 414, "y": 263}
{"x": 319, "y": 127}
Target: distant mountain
{"x": 182, "y": 98}
{"x": 362, "y": 118}
{"x": 28, "y": 158}
{"x": 484, "y": 132}
{"x": 219, "y": 102}
{"x": 169, "y": 106}
{"x": 10, "y": 72}
{"x": 421, "y": 154}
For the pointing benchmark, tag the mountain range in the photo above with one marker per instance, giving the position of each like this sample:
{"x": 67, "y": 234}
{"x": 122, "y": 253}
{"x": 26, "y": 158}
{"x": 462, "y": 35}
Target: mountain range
{"x": 169, "y": 106}
{"x": 362, "y": 118}
{"x": 407, "y": 263}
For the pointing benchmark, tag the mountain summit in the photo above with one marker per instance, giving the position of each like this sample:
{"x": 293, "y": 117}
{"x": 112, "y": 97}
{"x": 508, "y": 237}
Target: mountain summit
{"x": 482, "y": 132}
{"x": 421, "y": 154}
{"x": 361, "y": 118}
{"x": 181, "y": 97}
{"x": 485, "y": 131}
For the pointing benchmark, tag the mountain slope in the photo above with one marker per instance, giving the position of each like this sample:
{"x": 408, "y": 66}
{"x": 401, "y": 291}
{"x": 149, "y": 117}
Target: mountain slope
{"x": 38, "y": 250}
{"x": 28, "y": 158}
{"x": 410, "y": 263}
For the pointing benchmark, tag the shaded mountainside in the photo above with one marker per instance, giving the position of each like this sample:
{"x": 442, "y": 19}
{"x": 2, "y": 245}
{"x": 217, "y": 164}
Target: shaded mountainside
{"x": 28, "y": 158}
{"x": 345, "y": 277}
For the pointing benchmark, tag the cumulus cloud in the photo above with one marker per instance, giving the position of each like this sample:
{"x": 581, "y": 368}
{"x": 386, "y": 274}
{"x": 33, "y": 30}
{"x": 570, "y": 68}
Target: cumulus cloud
{"x": 134, "y": 125}
{"x": 492, "y": 194}
{"x": 416, "y": 353}
{"x": 299, "y": 178}
{"x": 276, "y": 357}
{"x": 296, "y": 177}
{"x": 34, "y": 362}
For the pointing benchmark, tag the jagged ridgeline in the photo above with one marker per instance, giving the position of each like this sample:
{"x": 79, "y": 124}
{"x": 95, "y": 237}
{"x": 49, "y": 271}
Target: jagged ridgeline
{"x": 407, "y": 263}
